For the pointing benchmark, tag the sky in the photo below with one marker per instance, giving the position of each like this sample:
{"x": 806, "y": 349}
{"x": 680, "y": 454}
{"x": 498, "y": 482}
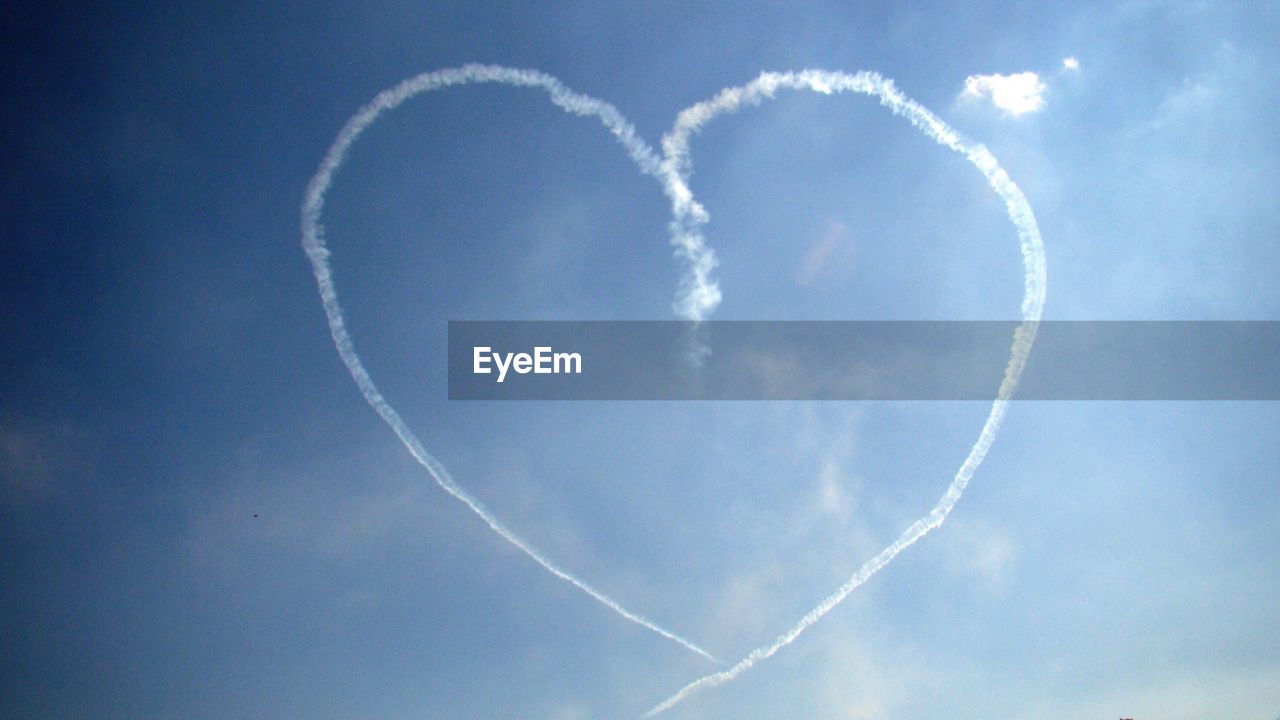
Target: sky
{"x": 201, "y": 517}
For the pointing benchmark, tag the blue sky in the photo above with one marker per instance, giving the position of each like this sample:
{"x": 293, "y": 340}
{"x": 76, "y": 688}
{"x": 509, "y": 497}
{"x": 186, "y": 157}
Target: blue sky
{"x": 201, "y": 518}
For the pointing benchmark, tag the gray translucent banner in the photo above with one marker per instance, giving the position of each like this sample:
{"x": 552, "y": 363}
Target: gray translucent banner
{"x": 860, "y": 360}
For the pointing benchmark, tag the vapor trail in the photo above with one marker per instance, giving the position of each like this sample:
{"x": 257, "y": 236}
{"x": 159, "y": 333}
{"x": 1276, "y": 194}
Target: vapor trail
{"x": 314, "y": 244}
{"x": 687, "y": 234}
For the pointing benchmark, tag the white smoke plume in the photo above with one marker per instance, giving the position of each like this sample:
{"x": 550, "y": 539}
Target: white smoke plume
{"x": 686, "y": 229}
{"x": 316, "y": 249}
{"x": 1016, "y": 94}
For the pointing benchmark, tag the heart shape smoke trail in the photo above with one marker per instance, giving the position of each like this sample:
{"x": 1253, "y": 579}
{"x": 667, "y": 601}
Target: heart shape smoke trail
{"x": 698, "y": 294}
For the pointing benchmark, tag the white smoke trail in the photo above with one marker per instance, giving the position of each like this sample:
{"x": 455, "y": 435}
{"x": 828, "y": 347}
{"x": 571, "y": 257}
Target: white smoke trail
{"x": 314, "y": 244}
{"x": 686, "y": 230}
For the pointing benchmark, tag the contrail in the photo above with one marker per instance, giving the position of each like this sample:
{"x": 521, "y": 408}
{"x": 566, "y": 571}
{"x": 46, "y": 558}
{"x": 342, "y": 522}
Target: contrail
{"x": 686, "y": 233}
{"x": 699, "y": 294}
{"x": 314, "y": 244}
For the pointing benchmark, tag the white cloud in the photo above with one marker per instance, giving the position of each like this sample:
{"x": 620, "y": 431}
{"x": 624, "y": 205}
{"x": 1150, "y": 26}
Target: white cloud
{"x": 1016, "y": 94}
{"x": 1070, "y": 63}
{"x": 834, "y": 244}
{"x": 1239, "y": 692}
{"x": 983, "y": 553}
{"x": 855, "y": 682}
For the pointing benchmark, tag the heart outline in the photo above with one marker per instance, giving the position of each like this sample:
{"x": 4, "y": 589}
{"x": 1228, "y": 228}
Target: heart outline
{"x": 698, "y": 295}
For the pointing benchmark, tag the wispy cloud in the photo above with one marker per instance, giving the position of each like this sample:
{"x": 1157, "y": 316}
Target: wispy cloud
{"x": 37, "y": 459}
{"x": 1235, "y": 692}
{"x": 834, "y": 242}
